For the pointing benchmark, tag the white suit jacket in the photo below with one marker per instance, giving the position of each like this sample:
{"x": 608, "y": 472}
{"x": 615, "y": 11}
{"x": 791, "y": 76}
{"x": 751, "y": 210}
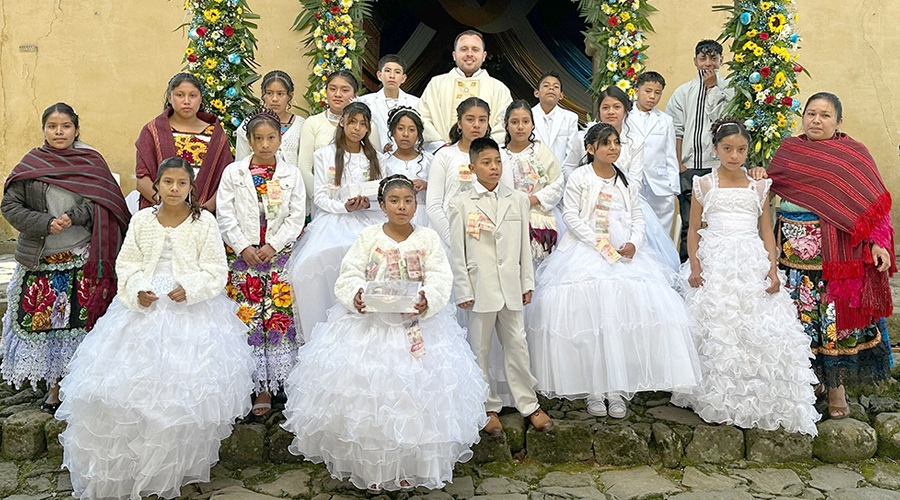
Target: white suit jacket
{"x": 377, "y": 102}
{"x": 496, "y": 269}
{"x": 653, "y": 144}
{"x": 563, "y": 134}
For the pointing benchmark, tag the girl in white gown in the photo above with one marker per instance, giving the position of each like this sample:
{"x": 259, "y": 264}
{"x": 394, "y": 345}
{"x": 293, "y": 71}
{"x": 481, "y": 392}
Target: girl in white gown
{"x": 389, "y": 401}
{"x": 410, "y": 159}
{"x": 340, "y": 168}
{"x": 604, "y": 321}
{"x": 755, "y": 354}
{"x": 159, "y": 381}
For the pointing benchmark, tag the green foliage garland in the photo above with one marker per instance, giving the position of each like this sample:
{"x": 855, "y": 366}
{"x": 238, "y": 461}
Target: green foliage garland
{"x": 764, "y": 71}
{"x": 617, "y": 36}
{"x": 335, "y": 42}
{"x": 220, "y": 54}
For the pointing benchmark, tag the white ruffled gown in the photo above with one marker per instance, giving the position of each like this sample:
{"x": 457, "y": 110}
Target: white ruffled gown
{"x": 150, "y": 396}
{"x": 362, "y": 404}
{"x": 596, "y": 328}
{"x": 754, "y": 351}
{"x": 316, "y": 259}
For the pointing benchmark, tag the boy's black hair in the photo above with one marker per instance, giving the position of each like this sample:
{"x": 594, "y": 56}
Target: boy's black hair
{"x": 392, "y": 58}
{"x": 550, "y": 74}
{"x": 650, "y": 76}
{"x": 479, "y": 145}
{"x": 708, "y": 47}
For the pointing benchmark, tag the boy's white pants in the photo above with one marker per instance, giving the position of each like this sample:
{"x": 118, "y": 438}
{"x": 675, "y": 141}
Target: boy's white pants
{"x": 510, "y": 326}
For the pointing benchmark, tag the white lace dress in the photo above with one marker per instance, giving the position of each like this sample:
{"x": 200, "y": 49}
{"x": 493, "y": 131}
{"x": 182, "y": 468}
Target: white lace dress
{"x": 152, "y": 393}
{"x": 596, "y": 327}
{"x": 755, "y": 355}
{"x": 360, "y": 402}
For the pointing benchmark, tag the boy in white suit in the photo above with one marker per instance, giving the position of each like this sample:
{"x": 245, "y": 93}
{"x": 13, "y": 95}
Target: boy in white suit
{"x": 653, "y": 137}
{"x": 554, "y": 126}
{"x": 493, "y": 277}
{"x": 391, "y": 73}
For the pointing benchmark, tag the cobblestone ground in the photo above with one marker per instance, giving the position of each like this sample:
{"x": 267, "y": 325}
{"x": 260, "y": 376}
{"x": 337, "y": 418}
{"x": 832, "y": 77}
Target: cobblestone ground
{"x": 658, "y": 451}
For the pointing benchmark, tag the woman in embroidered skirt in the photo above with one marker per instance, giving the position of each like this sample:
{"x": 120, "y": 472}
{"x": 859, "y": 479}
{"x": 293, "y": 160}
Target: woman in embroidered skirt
{"x": 837, "y": 248}
{"x": 71, "y": 219}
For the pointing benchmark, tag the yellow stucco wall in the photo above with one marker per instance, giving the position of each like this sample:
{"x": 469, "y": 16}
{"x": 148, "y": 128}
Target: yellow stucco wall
{"x": 111, "y": 60}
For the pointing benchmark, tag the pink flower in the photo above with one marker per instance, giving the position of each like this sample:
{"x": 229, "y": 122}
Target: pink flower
{"x": 806, "y": 299}
{"x": 806, "y": 247}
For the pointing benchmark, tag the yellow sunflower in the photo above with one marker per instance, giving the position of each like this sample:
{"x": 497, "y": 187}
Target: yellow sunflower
{"x": 765, "y": 6}
{"x": 211, "y": 63}
{"x": 212, "y": 15}
{"x": 776, "y": 22}
{"x": 780, "y": 79}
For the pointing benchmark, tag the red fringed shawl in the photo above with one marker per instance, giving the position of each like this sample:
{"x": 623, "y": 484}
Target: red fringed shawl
{"x": 156, "y": 143}
{"x": 84, "y": 171}
{"x": 837, "y": 180}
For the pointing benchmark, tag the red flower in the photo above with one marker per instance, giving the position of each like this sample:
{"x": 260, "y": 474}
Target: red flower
{"x": 318, "y": 16}
{"x": 765, "y": 72}
{"x": 634, "y": 59}
{"x": 252, "y": 289}
{"x": 787, "y": 101}
{"x": 343, "y": 38}
{"x": 763, "y": 36}
{"x": 192, "y": 58}
{"x": 629, "y": 72}
{"x": 636, "y": 52}
{"x": 39, "y": 296}
{"x": 201, "y": 31}
{"x": 278, "y": 321}
{"x": 331, "y": 38}
{"x": 228, "y": 30}
{"x": 770, "y": 99}
{"x": 613, "y": 21}
{"x": 335, "y": 9}
{"x": 798, "y": 68}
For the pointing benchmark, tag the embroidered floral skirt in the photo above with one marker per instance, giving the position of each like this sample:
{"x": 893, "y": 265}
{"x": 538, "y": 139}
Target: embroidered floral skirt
{"x": 46, "y": 319}
{"x": 853, "y": 356}
{"x": 264, "y": 301}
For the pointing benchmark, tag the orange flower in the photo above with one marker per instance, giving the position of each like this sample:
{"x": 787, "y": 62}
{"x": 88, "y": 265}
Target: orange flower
{"x": 246, "y": 313}
{"x": 41, "y": 320}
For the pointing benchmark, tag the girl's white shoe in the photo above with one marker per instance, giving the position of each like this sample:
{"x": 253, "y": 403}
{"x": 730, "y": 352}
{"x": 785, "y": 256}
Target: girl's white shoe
{"x": 596, "y": 406}
{"x": 617, "y": 408}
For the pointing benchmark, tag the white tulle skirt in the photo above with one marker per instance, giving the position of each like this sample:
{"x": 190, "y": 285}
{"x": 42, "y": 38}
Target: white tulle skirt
{"x": 361, "y": 403}
{"x": 149, "y": 397}
{"x": 595, "y": 328}
{"x": 316, "y": 263}
{"x": 755, "y": 354}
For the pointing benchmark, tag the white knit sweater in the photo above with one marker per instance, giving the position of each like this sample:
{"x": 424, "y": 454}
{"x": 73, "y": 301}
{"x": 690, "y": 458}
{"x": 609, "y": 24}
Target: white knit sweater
{"x": 435, "y": 267}
{"x": 198, "y": 257}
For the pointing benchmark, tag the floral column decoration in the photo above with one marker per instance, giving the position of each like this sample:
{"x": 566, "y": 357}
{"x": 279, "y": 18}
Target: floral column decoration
{"x": 617, "y": 36}
{"x": 220, "y": 54}
{"x": 335, "y": 41}
{"x": 764, "y": 71}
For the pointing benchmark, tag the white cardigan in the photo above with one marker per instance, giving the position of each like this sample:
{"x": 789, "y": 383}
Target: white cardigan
{"x": 237, "y": 206}
{"x": 198, "y": 258}
{"x": 438, "y": 279}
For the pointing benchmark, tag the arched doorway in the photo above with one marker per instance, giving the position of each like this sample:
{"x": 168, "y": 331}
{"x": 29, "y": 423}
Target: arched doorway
{"x": 524, "y": 39}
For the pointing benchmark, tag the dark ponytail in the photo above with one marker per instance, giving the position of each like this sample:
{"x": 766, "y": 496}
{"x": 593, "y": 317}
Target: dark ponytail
{"x": 602, "y": 133}
{"x": 467, "y": 104}
{"x": 729, "y": 125}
